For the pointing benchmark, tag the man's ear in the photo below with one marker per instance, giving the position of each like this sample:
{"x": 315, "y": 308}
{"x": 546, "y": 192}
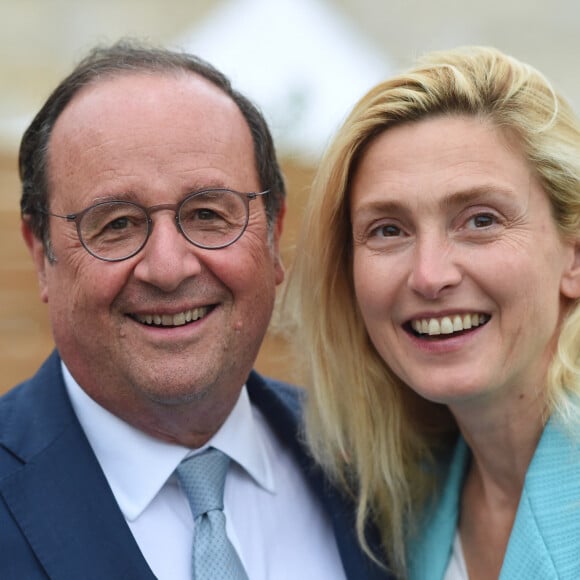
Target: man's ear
{"x": 36, "y": 249}
{"x": 570, "y": 285}
{"x": 278, "y": 227}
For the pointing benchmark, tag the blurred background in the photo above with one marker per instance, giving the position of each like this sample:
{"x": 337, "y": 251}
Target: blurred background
{"x": 304, "y": 62}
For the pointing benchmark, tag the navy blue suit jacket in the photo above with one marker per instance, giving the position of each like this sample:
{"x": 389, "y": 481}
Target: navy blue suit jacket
{"x": 58, "y": 516}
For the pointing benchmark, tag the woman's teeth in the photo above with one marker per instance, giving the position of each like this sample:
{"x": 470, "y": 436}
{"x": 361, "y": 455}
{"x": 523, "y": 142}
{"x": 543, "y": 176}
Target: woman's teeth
{"x": 448, "y": 324}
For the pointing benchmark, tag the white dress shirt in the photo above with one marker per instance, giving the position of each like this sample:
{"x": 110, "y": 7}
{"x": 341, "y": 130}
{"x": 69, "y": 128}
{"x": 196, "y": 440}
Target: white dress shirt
{"x": 273, "y": 519}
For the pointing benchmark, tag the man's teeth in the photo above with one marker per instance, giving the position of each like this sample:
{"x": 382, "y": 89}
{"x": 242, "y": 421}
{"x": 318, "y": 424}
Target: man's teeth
{"x": 448, "y": 324}
{"x": 173, "y": 319}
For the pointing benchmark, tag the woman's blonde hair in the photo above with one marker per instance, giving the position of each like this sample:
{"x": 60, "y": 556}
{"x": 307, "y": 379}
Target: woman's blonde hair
{"x": 371, "y": 432}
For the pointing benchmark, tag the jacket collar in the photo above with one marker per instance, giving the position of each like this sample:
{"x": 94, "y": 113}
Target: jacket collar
{"x": 56, "y": 491}
{"x": 546, "y": 532}
{"x": 431, "y": 544}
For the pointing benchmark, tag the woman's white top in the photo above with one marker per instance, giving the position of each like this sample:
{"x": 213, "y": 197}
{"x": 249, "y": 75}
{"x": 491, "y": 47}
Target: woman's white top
{"x": 456, "y": 568}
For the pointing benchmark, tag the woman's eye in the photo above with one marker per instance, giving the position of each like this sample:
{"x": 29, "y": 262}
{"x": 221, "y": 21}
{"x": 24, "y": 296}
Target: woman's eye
{"x": 482, "y": 220}
{"x": 386, "y": 231}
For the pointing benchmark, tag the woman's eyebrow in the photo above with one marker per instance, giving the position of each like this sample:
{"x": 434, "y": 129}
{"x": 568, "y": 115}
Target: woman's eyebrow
{"x": 479, "y": 193}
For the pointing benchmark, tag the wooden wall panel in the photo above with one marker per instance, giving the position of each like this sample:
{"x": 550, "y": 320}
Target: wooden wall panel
{"x": 25, "y": 338}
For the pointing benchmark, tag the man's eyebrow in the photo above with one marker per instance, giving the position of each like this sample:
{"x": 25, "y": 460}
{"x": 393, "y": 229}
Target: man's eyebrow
{"x": 124, "y": 196}
{"x": 130, "y": 195}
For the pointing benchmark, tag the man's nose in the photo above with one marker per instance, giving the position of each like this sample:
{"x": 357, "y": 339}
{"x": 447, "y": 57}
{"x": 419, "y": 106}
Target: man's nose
{"x": 167, "y": 258}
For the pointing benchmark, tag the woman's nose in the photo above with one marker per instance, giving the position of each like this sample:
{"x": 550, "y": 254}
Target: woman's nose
{"x": 434, "y": 267}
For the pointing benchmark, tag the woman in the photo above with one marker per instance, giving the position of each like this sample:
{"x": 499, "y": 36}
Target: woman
{"x": 436, "y": 292}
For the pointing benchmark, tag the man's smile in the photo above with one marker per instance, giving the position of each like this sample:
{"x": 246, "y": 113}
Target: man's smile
{"x": 178, "y": 319}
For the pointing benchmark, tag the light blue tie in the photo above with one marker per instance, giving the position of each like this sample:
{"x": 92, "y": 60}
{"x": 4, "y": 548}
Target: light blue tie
{"x": 203, "y": 478}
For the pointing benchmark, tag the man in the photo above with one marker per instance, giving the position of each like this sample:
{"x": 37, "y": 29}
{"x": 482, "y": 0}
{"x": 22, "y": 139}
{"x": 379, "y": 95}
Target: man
{"x": 152, "y": 207}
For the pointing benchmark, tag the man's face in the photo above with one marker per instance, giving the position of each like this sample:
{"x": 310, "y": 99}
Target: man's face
{"x": 153, "y": 139}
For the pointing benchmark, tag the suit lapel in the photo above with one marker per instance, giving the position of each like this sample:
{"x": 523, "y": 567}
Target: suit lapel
{"x": 59, "y": 495}
{"x": 545, "y": 539}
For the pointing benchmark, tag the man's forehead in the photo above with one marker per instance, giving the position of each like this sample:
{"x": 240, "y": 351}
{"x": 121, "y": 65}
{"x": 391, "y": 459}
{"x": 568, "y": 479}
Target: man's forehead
{"x": 137, "y": 101}
{"x": 141, "y": 86}
{"x": 175, "y": 121}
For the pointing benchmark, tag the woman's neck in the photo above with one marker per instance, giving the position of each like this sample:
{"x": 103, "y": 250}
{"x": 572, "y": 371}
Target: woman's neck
{"x": 502, "y": 439}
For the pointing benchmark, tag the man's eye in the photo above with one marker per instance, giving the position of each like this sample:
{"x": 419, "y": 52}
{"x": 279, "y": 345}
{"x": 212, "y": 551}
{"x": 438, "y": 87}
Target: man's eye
{"x": 205, "y": 214}
{"x": 118, "y": 223}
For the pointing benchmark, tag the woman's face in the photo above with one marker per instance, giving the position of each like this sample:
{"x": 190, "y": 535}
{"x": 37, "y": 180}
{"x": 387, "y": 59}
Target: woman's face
{"x": 460, "y": 273}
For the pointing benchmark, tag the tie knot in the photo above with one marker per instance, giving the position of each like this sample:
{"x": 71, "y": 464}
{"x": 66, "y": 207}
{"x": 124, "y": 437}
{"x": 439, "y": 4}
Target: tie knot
{"x": 203, "y": 478}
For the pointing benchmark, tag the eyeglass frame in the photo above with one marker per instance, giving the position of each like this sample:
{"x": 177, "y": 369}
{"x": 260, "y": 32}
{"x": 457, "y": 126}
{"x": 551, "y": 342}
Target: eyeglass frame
{"x": 176, "y": 207}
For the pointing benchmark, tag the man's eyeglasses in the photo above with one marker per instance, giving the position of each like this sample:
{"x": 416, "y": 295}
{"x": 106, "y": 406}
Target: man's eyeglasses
{"x": 117, "y": 230}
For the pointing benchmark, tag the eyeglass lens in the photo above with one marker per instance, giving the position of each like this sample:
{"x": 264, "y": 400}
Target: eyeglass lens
{"x": 117, "y": 229}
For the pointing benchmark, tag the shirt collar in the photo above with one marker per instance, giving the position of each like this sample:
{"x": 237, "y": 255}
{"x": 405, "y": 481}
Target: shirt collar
{"x": 137, "y": 465}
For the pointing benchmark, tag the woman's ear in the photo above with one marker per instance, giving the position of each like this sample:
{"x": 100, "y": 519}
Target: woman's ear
{"x": 570, "y": 286}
